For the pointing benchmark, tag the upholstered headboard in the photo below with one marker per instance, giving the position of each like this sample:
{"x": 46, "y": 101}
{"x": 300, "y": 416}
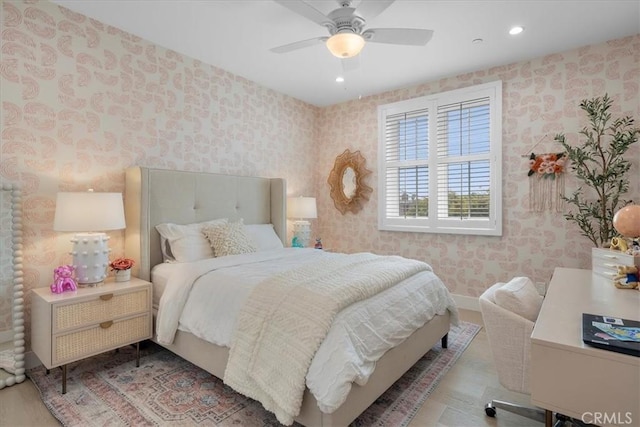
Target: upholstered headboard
{"x": 155, "y": 196}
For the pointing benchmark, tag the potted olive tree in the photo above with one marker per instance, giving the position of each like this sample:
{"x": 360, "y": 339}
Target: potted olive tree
{"x": 601, "y": 167}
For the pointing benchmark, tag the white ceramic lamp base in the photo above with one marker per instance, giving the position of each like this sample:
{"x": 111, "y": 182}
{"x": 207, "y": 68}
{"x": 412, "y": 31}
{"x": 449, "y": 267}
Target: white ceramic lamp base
{"x": 90, "y": 257}
{"x": 302, "y": 230}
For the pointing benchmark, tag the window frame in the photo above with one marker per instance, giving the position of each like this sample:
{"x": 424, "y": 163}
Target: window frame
{"x": 491, "y": 226}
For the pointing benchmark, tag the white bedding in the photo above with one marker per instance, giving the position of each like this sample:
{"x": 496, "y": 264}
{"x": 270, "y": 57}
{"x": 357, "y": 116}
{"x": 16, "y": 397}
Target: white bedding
{"x": 358, "y": 338}
{"x": 159, "y": 277}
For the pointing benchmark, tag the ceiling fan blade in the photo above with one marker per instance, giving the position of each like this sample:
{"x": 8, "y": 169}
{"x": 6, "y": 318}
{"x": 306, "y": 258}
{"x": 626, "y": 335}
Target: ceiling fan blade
{"x": 369, "y": 9}
{"x": 299, "y": 45}
{"x": 409, "y": 36}
{"x": 350, "y": 64}
{"x": 306, "y": 10}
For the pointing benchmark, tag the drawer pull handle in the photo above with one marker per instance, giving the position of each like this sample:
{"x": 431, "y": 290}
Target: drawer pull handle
{"x": 106, "y": 325}
{"x": 611, "y": 256}
{"x": 106, "y": 297}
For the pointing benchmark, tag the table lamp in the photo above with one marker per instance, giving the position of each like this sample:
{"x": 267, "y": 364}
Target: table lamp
{"x": 301, "y": 209}
{"x": 89, "y": 214}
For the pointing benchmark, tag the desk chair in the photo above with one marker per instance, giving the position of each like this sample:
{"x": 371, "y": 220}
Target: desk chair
{"x": 509, "y": 311}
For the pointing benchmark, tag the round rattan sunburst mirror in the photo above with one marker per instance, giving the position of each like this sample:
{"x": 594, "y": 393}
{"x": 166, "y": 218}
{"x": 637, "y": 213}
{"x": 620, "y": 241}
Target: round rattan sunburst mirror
{"x": 348, "y": 190}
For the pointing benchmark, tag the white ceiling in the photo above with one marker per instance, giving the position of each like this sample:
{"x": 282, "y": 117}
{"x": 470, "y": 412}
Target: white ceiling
{"x": 237, "y": 35}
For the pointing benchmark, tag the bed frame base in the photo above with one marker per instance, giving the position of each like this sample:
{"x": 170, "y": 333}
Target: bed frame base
{"x": 389, "y": 369}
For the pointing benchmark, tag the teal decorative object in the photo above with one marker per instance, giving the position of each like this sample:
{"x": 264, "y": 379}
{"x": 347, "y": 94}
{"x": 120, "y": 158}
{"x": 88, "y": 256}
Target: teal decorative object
{"x": 296, "y": 243}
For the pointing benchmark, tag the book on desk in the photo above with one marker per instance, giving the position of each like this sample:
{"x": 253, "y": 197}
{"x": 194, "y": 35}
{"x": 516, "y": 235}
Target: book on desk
{"x": 611, "y": 333}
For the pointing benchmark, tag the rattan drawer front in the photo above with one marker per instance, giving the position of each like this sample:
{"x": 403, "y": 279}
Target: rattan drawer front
{"x": 77, "y": 345}
{"x": 99, "y": 309}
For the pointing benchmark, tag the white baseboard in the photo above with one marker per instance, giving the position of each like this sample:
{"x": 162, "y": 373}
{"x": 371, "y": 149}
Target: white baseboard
{"x": 467, "y": 303}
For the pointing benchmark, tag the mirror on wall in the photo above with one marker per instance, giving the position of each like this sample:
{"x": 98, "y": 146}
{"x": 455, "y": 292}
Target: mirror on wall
{"x": 348, "y": 190}
{"x": 349, "y": 182}
{"x": 11, "y": 288}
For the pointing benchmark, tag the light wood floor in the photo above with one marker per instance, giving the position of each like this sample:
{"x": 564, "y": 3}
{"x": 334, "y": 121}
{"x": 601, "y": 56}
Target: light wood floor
{"x": 458, "y": 401}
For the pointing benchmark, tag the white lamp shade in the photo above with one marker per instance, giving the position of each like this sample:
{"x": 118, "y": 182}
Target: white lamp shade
{"x": 302, "y": 207}
{"x": 345, "y": 45}
{"x": 89, "y": 211}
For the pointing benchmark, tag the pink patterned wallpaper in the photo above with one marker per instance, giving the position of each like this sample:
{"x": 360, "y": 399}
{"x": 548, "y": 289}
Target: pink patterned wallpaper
{"x": 82, "y": 101}
{"x": 540, "y": 97}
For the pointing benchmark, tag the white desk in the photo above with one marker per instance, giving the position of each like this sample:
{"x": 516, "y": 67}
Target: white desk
{"x": 572, "y": 378}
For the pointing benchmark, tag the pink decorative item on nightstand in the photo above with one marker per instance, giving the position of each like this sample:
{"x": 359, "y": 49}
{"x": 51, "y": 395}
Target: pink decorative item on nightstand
{"x": 63, "y": 279}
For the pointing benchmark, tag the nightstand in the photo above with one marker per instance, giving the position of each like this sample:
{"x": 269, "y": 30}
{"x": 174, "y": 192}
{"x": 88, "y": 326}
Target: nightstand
{"x": 72, "y": 326}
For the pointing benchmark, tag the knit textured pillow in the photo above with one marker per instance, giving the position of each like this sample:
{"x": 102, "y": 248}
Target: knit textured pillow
{"x": 229, "y": 239}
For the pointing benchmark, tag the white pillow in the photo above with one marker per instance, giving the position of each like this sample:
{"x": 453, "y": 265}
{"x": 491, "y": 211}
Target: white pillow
{"x": 263, "y": 236}
{"x": 186, "y": 243}
{"x": 520, "y": 296}
{"x": 229, "y": 239}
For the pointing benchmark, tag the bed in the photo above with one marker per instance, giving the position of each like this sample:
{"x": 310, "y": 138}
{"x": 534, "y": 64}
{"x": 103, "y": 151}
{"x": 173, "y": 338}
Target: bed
{"x": 155, "y": 196}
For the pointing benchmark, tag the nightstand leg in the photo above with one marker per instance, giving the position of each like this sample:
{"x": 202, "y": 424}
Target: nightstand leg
{"x": 137, "y": 354}
{"x": 64, "y": 379}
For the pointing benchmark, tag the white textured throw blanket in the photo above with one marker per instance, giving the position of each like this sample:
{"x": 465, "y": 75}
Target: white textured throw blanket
{"x": 287, "y": 317}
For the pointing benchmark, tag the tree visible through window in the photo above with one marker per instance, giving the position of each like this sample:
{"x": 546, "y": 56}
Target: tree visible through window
{"x": 443, "y": 177}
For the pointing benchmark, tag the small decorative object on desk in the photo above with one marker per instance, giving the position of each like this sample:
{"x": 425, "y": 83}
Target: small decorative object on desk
{"x": 318, "y": 244}
{"x": 627, "y": 277}
{"x": 63, "y": 279}
{"x": 121, "y": 268}
{"x": 627, "y": 222}
{"x": 619, "y": 244}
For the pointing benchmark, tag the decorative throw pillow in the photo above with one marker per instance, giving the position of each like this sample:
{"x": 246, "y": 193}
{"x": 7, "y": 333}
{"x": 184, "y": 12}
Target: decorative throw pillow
{"x": 520, "y": 296}
{"x": 186, "y": 243}
{"x": 229, "y": 239}
{"x": 263, "y": 236}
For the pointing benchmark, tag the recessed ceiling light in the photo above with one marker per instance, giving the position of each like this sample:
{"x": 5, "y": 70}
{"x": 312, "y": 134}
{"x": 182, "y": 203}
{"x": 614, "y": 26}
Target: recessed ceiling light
{"x": 516, "y": 30}
{"x": 339, "y": 79}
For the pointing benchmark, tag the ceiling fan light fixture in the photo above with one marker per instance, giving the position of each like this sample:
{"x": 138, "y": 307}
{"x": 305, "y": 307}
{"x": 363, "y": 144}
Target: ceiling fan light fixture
{"x": 345, "y": 45}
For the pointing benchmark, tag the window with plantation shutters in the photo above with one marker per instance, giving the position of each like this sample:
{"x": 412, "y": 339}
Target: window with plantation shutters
{"x": 440, "y": 162}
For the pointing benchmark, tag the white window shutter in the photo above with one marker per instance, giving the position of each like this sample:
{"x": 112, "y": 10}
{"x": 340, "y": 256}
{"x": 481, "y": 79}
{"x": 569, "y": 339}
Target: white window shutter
{"x": 441, "y": 156}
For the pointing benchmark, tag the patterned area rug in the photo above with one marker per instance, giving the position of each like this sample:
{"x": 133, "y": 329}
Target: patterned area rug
{"x": 108, "y": 390}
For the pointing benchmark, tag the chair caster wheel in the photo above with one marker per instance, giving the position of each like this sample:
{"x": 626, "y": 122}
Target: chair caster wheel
{"x": 489, "y": 410}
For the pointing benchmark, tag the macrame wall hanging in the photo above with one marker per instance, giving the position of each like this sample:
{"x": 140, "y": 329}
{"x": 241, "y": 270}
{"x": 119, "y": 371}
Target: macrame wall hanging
{"x": 546, "y": 181}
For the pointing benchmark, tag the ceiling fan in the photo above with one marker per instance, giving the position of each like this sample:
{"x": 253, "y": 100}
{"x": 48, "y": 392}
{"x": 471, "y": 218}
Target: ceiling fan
{"x": 346, "y": 27}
